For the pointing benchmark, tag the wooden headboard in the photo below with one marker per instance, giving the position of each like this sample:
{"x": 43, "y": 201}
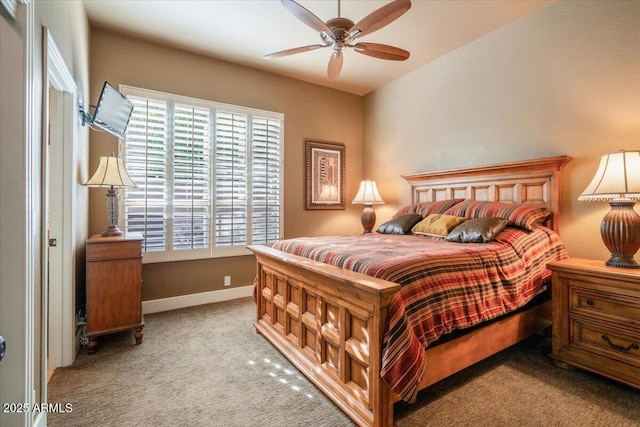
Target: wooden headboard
{"x": 535, "y": 183}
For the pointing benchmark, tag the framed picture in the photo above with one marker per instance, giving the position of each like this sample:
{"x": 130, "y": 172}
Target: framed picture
{"x": 325, "y": 175}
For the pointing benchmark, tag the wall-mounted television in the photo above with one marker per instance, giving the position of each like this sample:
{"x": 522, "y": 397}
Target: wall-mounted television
{"x": 112, "y": 112}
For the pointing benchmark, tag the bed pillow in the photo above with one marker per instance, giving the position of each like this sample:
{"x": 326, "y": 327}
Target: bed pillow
{"x": 406, "y": 210}
{"x": 437, "y": 225}
{"x": 399, "y": 224}
{"x": 518, "y": 215}
{"x": 426, "y": 208}
{"x": 477, "y": 230}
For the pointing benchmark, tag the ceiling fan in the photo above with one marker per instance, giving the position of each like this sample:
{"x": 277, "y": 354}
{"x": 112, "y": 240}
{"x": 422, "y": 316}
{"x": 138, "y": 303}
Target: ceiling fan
{"x": 340, "y": 33}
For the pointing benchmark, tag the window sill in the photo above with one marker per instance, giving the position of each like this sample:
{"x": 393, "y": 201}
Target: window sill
{"x": 158, "y": 257}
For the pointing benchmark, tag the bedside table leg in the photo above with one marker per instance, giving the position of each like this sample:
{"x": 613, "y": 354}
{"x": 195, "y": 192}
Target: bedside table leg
{"x": 139, "y": 335}
{"x": 92, "y": 346}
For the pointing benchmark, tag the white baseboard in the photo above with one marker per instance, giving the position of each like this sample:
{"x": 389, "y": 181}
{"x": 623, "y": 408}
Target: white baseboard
{"x": 182, "y": 301}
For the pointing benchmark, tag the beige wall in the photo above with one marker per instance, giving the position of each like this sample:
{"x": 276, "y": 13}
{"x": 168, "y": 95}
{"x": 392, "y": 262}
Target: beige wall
{"x": 563, "y": 80}
{"x": 310, "y": 111}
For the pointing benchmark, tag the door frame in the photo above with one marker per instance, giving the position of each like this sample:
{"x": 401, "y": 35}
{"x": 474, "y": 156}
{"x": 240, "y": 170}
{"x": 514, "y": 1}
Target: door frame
{"x": 59, "y": 322}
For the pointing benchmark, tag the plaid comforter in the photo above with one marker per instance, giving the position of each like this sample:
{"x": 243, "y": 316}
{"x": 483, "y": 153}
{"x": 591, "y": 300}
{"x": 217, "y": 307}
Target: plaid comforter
{"x": 445, "y": 285}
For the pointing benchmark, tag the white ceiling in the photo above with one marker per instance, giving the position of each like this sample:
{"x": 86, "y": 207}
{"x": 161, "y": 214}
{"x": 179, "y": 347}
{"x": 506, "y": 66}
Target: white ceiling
{"x": 243, "y": 31}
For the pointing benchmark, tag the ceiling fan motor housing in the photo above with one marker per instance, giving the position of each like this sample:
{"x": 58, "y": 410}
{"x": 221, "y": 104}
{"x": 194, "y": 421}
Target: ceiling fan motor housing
{"x": 340, "y": 28}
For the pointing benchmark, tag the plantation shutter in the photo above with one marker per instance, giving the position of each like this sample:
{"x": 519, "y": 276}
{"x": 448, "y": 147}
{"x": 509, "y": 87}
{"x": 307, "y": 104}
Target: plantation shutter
{"x": 266, "y": 197}
{"x": 231, "y": 178}
{"x": 208, "y": 176}
{"x": 146, "y": 161}
{"x": 191, "y": 177}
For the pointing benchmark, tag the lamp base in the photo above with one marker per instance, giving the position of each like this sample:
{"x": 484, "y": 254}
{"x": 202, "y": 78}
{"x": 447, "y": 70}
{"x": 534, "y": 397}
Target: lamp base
{"x": 368, "y": 218}
{"x": 112, "y": 214}
{"x": 620, "y": 230}
{"x": 112, "y": 231}
{"x": 622, "y": 262}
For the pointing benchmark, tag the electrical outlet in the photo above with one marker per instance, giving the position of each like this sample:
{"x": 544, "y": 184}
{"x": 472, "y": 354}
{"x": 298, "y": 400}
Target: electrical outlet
{"x": 227, "y": 280}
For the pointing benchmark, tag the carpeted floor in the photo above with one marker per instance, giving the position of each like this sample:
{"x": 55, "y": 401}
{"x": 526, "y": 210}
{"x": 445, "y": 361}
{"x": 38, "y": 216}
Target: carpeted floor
{"x": 206, "y": 366}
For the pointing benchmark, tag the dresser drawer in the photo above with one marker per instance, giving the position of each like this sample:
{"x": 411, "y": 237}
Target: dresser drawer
{"x": 604, "y": 305}
{"x": 606, "y": 340}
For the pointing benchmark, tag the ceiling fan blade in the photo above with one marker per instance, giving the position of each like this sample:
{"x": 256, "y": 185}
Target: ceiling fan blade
{"x": 379, "y": 18}
{"x": 307, "y": 17}
{"x": 335, "y": 65}
{"x": 295, "y": 50}
{"x": 382, "y": 51}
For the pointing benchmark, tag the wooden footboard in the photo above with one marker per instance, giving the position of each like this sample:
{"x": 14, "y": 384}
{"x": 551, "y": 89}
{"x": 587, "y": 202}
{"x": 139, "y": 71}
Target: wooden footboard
{"x": 329, "y": 323}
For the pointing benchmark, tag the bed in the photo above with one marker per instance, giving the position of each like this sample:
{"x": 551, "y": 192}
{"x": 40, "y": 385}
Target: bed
{"x": 331, "y": 322}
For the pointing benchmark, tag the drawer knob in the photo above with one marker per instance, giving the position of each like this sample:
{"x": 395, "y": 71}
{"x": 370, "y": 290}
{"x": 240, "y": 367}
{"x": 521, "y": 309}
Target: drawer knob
{"x": 590, "y": 301}
{"x": 633, "y": 345}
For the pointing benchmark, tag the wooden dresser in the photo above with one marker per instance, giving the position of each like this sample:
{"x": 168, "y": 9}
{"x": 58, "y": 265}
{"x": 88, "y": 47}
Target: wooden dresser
{"x": 596, "y": 318}
{"x": 114, "y": 286}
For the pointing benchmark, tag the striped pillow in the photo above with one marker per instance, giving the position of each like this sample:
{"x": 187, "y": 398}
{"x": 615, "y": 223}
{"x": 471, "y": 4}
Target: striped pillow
{"x": 427, "y": 208}
{"x": 518, "y": 215}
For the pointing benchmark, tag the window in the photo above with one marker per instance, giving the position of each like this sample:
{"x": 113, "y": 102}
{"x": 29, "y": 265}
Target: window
{"x": 208, "y": 175}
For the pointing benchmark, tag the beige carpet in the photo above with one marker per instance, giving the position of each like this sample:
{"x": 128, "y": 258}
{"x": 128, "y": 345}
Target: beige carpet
{"x": 205, "y": 366}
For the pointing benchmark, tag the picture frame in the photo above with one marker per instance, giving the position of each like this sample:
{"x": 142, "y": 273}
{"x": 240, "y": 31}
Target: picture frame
{"x": 325, "y": 175}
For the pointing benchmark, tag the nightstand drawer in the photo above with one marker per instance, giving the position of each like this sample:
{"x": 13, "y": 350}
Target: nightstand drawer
{"x": 112, "y": 250}
{"x": 589, "y": 302}
{"x": 606, "y": 340}
{"x": 596, "y": 318}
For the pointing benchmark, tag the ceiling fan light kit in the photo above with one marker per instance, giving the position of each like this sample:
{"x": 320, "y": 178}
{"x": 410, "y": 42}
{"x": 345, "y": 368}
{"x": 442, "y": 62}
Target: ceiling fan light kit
{"x": 340, "y": 33}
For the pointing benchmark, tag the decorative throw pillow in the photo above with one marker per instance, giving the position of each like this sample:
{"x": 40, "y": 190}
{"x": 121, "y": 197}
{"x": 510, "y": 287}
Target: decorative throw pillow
{"x": 518, "y": 215}
{"x": 477, "y": 230}
{"x": 399, "y": 224}
{"x": 437, "y": 225}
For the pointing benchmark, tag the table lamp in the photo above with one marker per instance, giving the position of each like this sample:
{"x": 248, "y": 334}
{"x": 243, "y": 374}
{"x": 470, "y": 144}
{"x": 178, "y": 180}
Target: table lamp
{"x": 368, "y": 196}
{"x": 617, "y": 181}
{"x": 111, "y": 174}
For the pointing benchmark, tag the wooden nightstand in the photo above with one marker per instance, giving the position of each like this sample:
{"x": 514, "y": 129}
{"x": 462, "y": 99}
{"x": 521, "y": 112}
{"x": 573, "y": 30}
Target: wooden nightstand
{"x": 596, "y": 318}
{"x": 114, "y": 286}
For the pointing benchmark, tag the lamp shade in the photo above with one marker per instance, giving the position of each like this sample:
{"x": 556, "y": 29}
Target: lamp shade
{"x": 617, "y": 177}
{"x": 111, "y": 173}
{"x": 368, "y": 194}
